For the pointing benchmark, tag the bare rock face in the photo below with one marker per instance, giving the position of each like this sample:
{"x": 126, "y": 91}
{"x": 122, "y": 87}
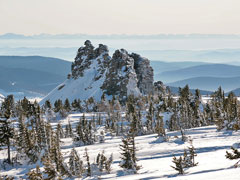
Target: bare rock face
{"x": 159, "y": 87}
{"x": 144, "y": 73}
{"x": 83, "y": 59}
{"x": 125, "y": 73}
{"x": 121, "y": 78}
{"x": 86, "y": 56}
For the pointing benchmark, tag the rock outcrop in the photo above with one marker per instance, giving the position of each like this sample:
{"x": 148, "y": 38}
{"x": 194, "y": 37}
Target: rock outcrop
{"x": 94, "y": 72}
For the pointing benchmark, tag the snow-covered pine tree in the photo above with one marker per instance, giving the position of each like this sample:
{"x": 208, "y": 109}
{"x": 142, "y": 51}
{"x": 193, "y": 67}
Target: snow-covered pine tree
{"x": 67, "y": 105}
{"x": 150, "y": 118}
{"x": 50, "y": 169}
{"x": 35, "y": 174}
{"x": 108, "y": 163}
{"x": 102, "y": 161}
{"x": 89, "y": 170}
{"x": 76, "y": 105}
{"x": 58, "y": 105}
{"x": 70, "y": 129}
{"x": 102, "y": 137}
{"x": 192, "y": 155}
{"x": 129, "y": 160}
{"x": 6, "y": 132}
{"x": 160, "y": 130}
{"x": 75, "y": 164}
{"x": 178, "y": 164}
{"x": 57, "y": 156}
{"x": 49, "y": 113}
{"x": 60, "y": 130}
{"x": 21, "y": 137}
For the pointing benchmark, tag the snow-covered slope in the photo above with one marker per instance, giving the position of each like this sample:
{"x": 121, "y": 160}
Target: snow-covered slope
{"x": 154, "y": 155}
{"x": 80, "y": 88}
{"x": 95, "y": 73}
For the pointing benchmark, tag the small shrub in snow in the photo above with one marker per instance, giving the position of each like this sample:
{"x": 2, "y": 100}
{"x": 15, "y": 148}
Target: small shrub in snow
{"x": 178, "y": 164}
{"x": 234, "y": 155}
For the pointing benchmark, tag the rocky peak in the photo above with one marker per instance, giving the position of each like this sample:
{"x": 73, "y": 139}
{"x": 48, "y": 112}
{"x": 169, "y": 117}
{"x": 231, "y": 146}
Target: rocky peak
{"x": 102, "y": 49}
{"x": 159, "y": 87}
{"x": 94, "y": 72}
{"x": 85, "y": 57}
{"x": 128, "y": 74}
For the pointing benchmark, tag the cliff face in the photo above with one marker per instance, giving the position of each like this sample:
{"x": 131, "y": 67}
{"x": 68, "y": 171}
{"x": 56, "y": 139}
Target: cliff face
{"x": 94, "y": 72}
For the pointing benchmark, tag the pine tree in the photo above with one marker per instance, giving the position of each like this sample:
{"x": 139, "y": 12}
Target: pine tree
{"x": 58, "y": 105}
{"x": 192, "y": 155}
{"x": 47, "y": 105}
{"x": 178, "y": 164}
{"x": 150, "y": 116}
{"x": 102, "y": 137}
{"x": 6, "y": 132}
{"x": 60, "y": 130}
{"x": 50, "y": 170}
{"x": 102, "y": 161}
{"x": 35, "y": 174}
{"x": 108, "y": 164}
{"x": 129, "y": 160}
{"x": 70, "y": 129}
{"x": 160, "y": 130}
{"x": 67, "y": 105}
{"x": 75, "y": 164}
{"x": 89, "y": 171}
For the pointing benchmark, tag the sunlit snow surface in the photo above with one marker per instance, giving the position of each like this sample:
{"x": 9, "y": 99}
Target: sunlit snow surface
{"x": 155, "y": 156}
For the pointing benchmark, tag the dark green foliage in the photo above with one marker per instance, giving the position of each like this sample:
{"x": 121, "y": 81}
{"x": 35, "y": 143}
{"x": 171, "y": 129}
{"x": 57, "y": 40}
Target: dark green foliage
{"x": 58, "y": 105}
{"x": 75, "y": 164}
{"x": 67, "y": 105}
{"x": 76, "y": 105}
{"x": 128, "y": 148}
{"x": 6, "y": 134}
{"x": 187, "y": 161}
{"x": 48, "y": 104}
{"x": 104, "y": 163}
{"x": 84, "y": 132}
{"x": 150, "y": 118}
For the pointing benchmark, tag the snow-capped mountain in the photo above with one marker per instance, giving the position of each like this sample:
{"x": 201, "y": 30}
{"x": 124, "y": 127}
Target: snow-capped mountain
{"x": 95, "y": 72}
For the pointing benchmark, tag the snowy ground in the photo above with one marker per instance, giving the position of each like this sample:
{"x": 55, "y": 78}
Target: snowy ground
{"x": 155, "y": 156}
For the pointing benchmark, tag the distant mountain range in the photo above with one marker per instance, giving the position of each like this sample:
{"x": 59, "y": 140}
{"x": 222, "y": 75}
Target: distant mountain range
{"x": 206, "y": 70}
{"x": 118, "y": 36}
{"x": 175, "y": 90}
{"x": 32, "y": 75}
{"x": 209, "y": 83}
{"x": 224, "y": 56}
{"x": 37, "y": 76}
{"x": 235, "y": 91}
{"x": 161, "y": 66}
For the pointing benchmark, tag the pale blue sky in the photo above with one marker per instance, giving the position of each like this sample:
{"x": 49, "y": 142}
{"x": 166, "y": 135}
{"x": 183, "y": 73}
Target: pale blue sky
{"x": 120, "y": 16}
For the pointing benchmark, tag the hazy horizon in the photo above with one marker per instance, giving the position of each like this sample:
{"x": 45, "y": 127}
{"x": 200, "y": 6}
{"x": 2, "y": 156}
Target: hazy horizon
{"x": 120, "y": 17}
